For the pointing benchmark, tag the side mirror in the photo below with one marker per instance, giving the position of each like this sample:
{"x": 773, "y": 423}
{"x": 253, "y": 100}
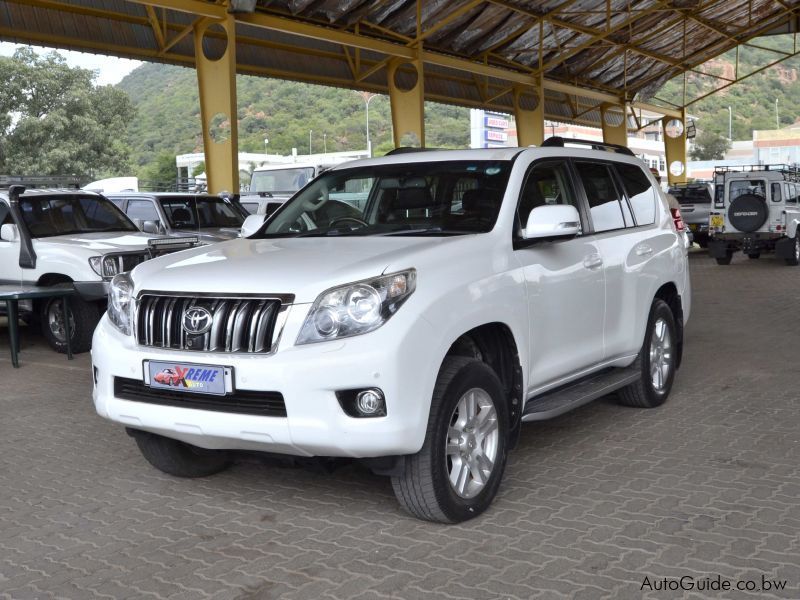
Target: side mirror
{"x": 252, "y": 224}
{"x": 9, "y": 233}
{"x": 552, "y": 221}
{"x": 149, "y": 226}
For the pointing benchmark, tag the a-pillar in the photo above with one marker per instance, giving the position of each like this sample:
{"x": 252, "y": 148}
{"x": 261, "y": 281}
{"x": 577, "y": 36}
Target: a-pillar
{"x": 406, "y": 94}
{"x": 675, "y": 147}
{"x": 615, "y": 124}
{"x": 529, "y": 115}
{"x": 215, "y": 60}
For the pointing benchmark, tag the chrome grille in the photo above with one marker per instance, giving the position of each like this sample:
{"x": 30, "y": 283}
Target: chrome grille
{"x": 249, "y": 325}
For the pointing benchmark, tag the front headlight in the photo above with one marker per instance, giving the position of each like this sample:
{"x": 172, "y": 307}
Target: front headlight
{"x": 105, "y": 266}
{"x": 120, "y": 303}
{"x": 356, "y": 308}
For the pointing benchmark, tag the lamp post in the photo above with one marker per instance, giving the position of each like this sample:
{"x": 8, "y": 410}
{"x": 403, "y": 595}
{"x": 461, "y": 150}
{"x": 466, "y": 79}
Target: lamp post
{"x": 309, "y": 141}
{"x": 324, "y": 143}
{"x": 730, "y": 124}
{"x": 777, "y": 120}
{"x": 367, "y": 97}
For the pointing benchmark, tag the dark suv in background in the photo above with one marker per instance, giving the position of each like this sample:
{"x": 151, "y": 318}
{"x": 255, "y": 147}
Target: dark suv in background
{"x": 695, "y": 200}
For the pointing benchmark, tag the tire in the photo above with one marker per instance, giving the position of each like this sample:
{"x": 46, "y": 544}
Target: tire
{"x": 748, "y": 212}
{"x": 180, "y": 459}
{"x": 795, "y": 259}
{"x": 725, "y": 260}
{"x": 703, "y": 243}
{"x": 754, "y": 255}
{"x": 645, "y": 392}
{"x": 83, "y": 317}
{"x": 465, "y": 386}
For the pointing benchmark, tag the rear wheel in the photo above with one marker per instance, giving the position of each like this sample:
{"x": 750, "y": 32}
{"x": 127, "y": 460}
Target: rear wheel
{"x": 725, "y": 260}
{"x": 656, "y": 361}
{"x": 179, "y": 458}
{"x": 794, "y": 260}
{"x": 456, "y": 474}
{"x": 83, "y": 317}
{"x": 754, "y": 255}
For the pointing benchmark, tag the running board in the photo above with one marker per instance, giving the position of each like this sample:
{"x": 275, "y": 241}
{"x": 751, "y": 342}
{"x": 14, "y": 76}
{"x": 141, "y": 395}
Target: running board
{"x": 575, "y": 394}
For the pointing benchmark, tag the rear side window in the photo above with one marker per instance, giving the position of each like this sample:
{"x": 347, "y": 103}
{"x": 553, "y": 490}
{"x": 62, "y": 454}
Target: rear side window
{"x": 792, "y": 193}
{"x": 776, "y": 192}
{"x": 604, "y": 199}
{"x": 640, "y": 193}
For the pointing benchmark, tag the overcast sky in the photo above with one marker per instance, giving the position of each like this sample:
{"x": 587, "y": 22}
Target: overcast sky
{"x": 109, "y": 68}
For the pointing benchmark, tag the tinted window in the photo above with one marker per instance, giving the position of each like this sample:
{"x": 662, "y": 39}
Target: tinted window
{"x": 792, "y": 193}
{"x": 5, "y": 214}
{"x": 420, "y": 198}
{"x": 547, "y": 183}
{"x": 691, "y": 194}
{"x": 640, "y": 193}
{"x": 193, "y": 212}
{"x": 281, "y": 180}
{"x": 64, "y": 214}
{"x": 142, "y": 209}
{"x": 251, "y": 207}
{"x": 604, "y": 199}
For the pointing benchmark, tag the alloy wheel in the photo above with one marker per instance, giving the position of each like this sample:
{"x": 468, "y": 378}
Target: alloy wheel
{"x": 660, "y": 355}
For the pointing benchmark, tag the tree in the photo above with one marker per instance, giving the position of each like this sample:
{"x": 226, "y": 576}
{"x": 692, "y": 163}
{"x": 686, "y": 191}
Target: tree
{"x": 161, "y": 173}
{"x": 709, "y": 146}
{"x": 55, "y": 121}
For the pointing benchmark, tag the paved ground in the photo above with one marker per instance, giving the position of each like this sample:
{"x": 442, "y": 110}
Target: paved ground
{"x": 592, "y": 504}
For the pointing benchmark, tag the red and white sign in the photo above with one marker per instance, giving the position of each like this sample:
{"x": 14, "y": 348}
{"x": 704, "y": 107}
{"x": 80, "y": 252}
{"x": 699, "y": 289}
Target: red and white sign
{"x": 496, "y": 136}
{"x": 496, "y": 122}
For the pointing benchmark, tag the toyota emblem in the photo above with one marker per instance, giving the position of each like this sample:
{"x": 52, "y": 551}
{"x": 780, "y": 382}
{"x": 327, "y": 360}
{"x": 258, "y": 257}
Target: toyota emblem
{"x": 197, "y": 320}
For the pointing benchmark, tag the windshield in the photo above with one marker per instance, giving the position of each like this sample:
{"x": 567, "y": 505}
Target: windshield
{"x": 196, "y": 212}
{"x": 433, "y": 198}
{"x": 278, "y": 181}
{"x": 691, "y": 195}
{"x": 63, "y": 214}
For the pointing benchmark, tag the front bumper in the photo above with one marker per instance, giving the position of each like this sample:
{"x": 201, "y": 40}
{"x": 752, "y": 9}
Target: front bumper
{"x": 394, "y": 359}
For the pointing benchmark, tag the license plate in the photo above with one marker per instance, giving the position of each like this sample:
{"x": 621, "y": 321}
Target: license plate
{"x": 716, "y": 220}
{"x": 188, "y": 377}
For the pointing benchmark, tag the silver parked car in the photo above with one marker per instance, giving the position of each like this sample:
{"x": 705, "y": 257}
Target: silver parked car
{"x": 695, "y": 200}
{"x": 211, "y": 218}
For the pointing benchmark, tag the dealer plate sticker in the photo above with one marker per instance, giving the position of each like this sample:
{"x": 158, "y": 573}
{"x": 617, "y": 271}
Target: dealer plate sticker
{"x": 716, "y": 221}
{"x": 187, "y": 377}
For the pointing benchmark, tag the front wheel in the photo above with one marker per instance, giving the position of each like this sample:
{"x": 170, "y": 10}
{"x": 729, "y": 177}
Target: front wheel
{"x": 456, "y": 474}
{"x": 83, "y": 317}
{"x": 179, "y": 458}
{"x": 656, "y": 361}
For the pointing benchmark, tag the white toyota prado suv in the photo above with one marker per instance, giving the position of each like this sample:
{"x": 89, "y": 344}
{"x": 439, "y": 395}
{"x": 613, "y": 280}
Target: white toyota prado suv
{"x": 410, "y": 311}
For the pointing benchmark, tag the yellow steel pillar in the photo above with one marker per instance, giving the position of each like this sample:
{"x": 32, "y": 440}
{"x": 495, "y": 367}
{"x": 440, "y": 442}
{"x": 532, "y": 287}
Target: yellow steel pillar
{"x": 615, "y": 124}
{"x": 406, "y": 94}
{"x": 675, "y": 147}
{"x": 530, "y": 121}
{"x": 215, "y": 60}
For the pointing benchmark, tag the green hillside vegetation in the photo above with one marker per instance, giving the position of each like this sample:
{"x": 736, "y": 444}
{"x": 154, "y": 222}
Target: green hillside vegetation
{"x": 753, "y": 100}
{"x": 167, "y": 121}
{"x": 168, "y": 117}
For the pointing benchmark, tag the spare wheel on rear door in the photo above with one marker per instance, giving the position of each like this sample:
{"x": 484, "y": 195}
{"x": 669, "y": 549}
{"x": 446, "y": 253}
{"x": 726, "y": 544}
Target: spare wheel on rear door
{"x": 748, "y": 212}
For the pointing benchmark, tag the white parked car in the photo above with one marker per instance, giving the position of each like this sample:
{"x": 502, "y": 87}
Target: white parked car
{"x": 756, "y": 210}
{"x": 68, "y": 237}
{"x": 462, "y": 294}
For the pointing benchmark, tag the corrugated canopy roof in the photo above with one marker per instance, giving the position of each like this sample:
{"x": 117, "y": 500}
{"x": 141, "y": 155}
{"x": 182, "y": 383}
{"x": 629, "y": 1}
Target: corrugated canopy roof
{"x": 474, "y": 51}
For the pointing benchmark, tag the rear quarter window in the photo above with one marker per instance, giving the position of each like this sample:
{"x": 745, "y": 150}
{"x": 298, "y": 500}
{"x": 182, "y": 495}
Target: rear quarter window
{"x": 641, "y": 194}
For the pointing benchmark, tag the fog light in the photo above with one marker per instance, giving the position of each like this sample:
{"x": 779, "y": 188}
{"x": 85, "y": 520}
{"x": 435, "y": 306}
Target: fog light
{"x": 362, "y": 403}
{"x": 370, "y": 402}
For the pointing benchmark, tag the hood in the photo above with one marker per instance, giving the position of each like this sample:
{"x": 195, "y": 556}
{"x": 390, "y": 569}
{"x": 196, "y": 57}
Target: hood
{"x": 304, "y": 267}
{"x": 100, "y": 242}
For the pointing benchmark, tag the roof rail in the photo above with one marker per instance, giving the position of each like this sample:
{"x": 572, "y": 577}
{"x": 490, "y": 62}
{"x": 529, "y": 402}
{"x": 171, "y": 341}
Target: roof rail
{"x": 560, "y": 142}
{"x": 409, "y": 149}
{"x": 48, "y": 181}
{"x": 790, "y": 172}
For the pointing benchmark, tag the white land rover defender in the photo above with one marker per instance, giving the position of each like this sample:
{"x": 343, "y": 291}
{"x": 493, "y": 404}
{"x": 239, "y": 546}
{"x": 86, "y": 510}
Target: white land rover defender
{"x": 60, "y": 236}
{"x": 416, "y": 328}
{"x": 756, "y": 211}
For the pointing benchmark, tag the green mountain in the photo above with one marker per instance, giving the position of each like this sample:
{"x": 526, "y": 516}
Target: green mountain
{"x": 168, "y": 116}
{"x": 752, "y": 101}
{"x": 168, "y": 110}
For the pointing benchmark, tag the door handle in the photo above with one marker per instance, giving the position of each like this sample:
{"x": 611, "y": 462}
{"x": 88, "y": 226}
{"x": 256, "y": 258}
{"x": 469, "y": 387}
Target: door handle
{"x": 643, "y": 250}
{"x": 593, "y": 261}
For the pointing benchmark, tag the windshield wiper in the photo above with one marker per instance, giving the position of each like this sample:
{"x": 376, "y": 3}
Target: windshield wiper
{"x": 431, "y": 230}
